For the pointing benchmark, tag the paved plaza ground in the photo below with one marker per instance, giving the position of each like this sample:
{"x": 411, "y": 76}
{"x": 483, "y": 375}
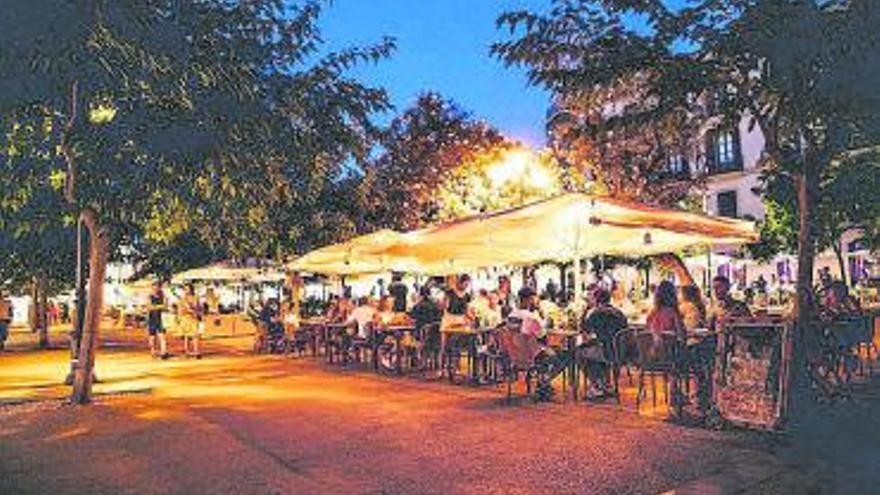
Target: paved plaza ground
{"x": 236, "y": 423}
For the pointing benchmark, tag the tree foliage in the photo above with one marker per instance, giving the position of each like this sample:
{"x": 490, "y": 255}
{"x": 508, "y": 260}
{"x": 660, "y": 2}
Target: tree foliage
{"x": 420, "y": 149}
{"x": 157, "y": 121}
{"x": 218, "y": 126}
{"x": 847, "y": 201}
{"x": 623, "y": 98}
{"x": 804, "y": 71}
{"x": 501, "y": 179}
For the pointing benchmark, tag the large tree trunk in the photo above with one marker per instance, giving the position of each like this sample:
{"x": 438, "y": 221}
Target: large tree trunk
{"x": 808, "y": 187}
{"x": 34, "y": 309}
{"x": 841, "y": 262}
{"x": 39, "y": 318}
{"x": 43, "y": 298}
{"x": 99, "y": 246}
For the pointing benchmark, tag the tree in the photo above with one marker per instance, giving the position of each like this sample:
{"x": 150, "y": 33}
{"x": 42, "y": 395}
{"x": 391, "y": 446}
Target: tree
{"x": 36, "y": 236}
{"x": 503, "y": 178}
{"x": 175, "y": 119}
{"x": 847, "y": 202}
{"x": 803, "y": 71}
{"x": 611, "y": 117}
{"x": 41, "y": 261}
{"x": 421, "y": 147}
{"x": 634, "y": 154}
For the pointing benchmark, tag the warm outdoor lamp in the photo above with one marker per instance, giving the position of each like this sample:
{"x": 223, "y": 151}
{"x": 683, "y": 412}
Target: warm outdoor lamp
{"x": 521, "y": 166}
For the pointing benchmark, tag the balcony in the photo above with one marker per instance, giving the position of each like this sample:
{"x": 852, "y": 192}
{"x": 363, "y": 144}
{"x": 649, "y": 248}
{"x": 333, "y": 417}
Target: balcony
{"x": 724, "y": 168}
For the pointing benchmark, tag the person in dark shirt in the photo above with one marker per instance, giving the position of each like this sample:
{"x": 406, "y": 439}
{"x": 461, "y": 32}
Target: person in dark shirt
{"x": 270, "y": 316}
{"x": 5, "y": 319}
{"x": 426, "y": 312}
{"x": 724, "y": 306}
{"x": 154, "y": 321}
{"x": 603, "y": 321}
{"x": 458, "y": 298}
{"x": 399, "y": 292}
{"x": 504, "y": 296}
{"x": 838, "y": 303}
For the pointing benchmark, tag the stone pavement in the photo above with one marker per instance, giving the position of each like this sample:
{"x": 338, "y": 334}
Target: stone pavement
{"x": 234, "y": 423}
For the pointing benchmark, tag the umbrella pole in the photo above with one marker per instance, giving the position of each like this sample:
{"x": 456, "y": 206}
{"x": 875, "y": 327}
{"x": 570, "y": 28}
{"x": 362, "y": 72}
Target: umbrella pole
{"x": 577, "y": 278}
{"x": 709, "y": 272}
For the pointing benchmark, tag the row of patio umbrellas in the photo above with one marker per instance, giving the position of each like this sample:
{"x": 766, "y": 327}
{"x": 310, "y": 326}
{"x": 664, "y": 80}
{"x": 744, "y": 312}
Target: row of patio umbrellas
{"x": 567, "y": 227}
{"x": 564, "y": 228}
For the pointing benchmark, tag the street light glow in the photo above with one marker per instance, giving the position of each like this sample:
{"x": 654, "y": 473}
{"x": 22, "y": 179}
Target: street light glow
{"x": 522, "y": 166}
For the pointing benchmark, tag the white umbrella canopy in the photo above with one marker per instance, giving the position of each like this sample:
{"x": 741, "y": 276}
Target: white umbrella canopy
{"x": 561, "y": 228}
{"x": 226, "y": 271}
{"x": 352, "y": 256}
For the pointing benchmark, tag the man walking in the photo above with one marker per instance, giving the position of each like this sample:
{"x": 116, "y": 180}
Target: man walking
{"x": 154, "y": 321}
{"x": 5, "y": 319}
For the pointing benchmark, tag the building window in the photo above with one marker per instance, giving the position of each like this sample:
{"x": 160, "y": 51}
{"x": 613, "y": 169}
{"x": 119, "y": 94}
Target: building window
{"x": 677, "y": 165}
{"x": 723, "y": 153}
{"x": 724, "y": 149}
{"x": 727, "y": 204}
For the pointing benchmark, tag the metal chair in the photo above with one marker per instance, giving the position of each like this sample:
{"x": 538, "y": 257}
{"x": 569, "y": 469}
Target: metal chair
{"x": 428, "y": 352}
{"x": 338, "y": 341}
{"x": 654, "y": 360}
{"x": 515, "y": 359}
{"x": 625, "y": 354}
{"x": 867, "y": 343}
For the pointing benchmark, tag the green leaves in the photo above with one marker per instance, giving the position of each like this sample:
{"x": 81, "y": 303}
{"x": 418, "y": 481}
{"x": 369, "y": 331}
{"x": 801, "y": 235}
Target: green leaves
{"x": 421, "y": 150}
{"x": 200, "y": 123}
{"x": 847, "y": 200}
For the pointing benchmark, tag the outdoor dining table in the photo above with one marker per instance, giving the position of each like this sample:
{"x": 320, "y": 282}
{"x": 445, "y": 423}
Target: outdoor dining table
{"x": 331, "y": 332}
{"x": 570, "y": 341}
{"x": 378, "y": 334}
{"x": 472, "y": 336}
{"x": 315, "y": 329}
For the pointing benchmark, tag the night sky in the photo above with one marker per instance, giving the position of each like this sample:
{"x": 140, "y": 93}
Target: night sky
{"x": 443, "y": 45}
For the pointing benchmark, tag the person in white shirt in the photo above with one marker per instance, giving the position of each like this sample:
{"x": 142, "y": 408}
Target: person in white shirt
{"x": 486, "y": 309}
{"x": 527, "y": 312}
{"x": 364, "y": 314}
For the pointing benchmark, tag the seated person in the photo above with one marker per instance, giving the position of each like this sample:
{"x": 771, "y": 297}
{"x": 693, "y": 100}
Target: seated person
{"x": 425, "y": 311}
{"x": 693, "y": 311}
{"x": 527, "y": 313}
{"x": 363, "y": 315}
{"x": 604, "y": 320}
{"x": 270, "y": 317}
{"x": 331, "y": 308}
{"x": 486, "y": 310}
{"x": 666, "y": 326}
{"x": 385, "y": 312}
{"x": 838, "y": 303}
{"x": 665, "y": 319}
{"x": 342, "y": 308}
{"x": 547, "y": 362}
{"x": 551, "y": 312}
{"x": 724, "y": 306}
{"x": 398, "y": 291}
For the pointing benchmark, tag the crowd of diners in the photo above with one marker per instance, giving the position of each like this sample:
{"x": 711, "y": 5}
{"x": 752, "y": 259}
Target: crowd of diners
{"x": 674, "y": 315}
